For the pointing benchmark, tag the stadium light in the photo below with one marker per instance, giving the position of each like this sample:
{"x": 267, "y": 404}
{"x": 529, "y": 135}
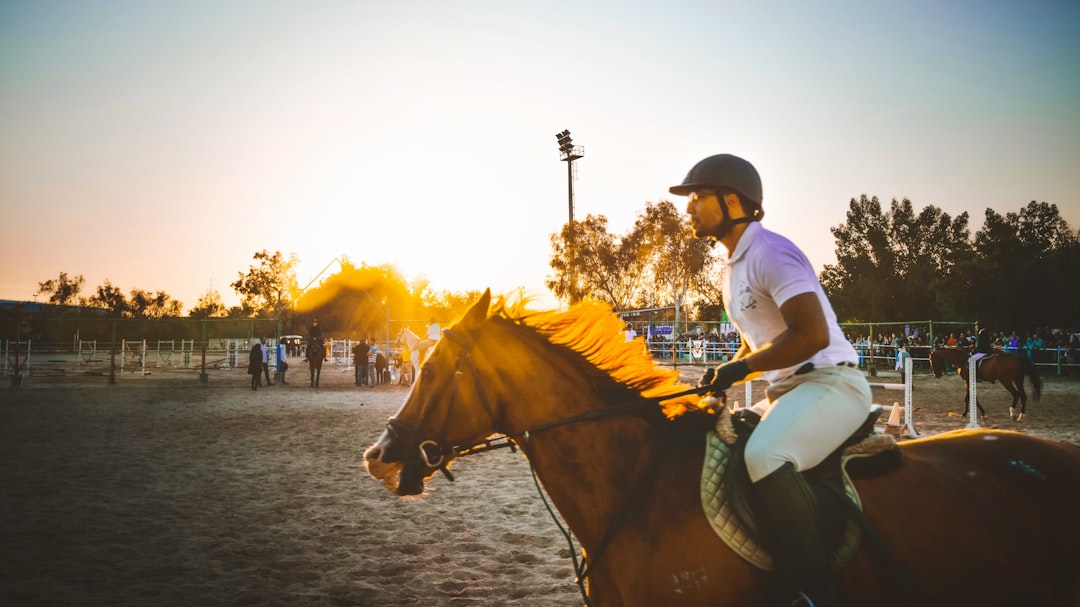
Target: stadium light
{"x": 569, "y": 153}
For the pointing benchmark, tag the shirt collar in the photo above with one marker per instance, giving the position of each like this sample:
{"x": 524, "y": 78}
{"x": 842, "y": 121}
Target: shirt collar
{"x": 745, "y": 241}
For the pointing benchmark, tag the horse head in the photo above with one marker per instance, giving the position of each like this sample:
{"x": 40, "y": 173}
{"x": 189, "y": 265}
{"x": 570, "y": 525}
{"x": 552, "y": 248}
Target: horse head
{"x": 420, "y": 439}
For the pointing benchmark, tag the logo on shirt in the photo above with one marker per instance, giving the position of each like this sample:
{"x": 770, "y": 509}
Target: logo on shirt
{"x": 746, "y": 300}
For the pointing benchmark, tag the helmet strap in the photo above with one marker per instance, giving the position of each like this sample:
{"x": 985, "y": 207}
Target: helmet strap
{"x": 727, "y": 222}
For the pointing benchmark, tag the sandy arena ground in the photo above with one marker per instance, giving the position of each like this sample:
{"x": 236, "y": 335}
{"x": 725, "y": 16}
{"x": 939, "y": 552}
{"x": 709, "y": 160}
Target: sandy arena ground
{"x": 162, "y": 491}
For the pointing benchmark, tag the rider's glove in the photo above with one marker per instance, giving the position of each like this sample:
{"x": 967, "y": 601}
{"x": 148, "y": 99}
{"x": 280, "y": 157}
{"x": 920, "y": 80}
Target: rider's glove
{"x": 719, "y": 379}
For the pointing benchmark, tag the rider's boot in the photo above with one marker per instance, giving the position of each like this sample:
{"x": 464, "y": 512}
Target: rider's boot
{"x": 791, "y": 528}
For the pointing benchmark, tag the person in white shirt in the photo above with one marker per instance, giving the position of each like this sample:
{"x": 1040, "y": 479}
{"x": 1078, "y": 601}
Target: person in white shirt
{"x": 434, "y": 332}
{"x": 817, "y": 397}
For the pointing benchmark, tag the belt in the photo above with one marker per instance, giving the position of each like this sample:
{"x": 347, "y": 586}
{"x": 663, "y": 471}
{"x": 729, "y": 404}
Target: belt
{"x": 808, "y": 367}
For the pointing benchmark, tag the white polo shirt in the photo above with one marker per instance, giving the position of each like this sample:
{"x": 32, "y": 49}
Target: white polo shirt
{"x": 765, "y": 270}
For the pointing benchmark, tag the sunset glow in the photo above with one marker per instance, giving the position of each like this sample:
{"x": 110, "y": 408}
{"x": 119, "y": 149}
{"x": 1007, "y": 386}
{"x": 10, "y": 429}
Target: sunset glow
{"x": 160, "y": 146}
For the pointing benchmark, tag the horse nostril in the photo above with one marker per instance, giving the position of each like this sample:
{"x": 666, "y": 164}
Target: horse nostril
{"x": 373, "y": 454}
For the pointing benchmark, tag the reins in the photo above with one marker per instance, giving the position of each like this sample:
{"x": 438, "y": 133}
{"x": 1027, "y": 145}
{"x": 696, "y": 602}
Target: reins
{"x": 504, "y": 441}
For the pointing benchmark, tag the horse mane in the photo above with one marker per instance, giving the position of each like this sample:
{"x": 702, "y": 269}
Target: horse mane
{"x": 592, "y": 330}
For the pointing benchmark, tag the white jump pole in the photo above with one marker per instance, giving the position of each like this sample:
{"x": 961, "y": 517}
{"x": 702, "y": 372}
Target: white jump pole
{"x": 909, "y": 428}
{"x": 973, "y": 405}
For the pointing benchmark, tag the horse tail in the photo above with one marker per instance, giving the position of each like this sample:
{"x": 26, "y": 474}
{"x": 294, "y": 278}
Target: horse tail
{"x": 1036, "y": 382}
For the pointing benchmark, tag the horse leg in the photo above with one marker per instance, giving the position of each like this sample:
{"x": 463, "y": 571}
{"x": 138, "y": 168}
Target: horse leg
{"x": 318, "y": 374}
{"x": 1015, "y": 398}
{"x": 967, "y": 400}
{"x": 1023, "y": 398}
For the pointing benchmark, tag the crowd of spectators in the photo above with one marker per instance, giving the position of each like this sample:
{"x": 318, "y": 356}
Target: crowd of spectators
{"x": 1042, "y": 346}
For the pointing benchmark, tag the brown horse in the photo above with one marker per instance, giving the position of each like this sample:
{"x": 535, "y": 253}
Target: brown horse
{"x": 972, "y": 517}
{"x": 1007, "y": 368}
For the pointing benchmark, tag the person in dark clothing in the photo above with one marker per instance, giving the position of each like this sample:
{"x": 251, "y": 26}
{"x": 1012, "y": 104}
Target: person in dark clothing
{"x": 360, "y": 364}
{"x": 983, "y": 343}
{"x": 382, "y": 375}
{"x": 255, "y": 365}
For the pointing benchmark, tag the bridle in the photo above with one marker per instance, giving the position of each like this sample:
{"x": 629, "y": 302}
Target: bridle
{"x": 434, "y": 456}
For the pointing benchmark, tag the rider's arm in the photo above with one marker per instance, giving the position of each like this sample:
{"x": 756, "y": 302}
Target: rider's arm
{"x": 807, "y": 333}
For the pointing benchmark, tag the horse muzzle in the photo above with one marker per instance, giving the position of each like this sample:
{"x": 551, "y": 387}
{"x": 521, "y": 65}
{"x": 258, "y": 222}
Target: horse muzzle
{"x": 401, "y": 467}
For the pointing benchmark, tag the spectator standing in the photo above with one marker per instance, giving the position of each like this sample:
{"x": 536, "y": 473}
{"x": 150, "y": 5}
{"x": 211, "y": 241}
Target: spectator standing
{"x": 408, "y": 371}
{"x": 1014, "y": 344}
{"x": 265, "y": 360}
{"x": 1037, "y": 344}
{"x": 902, "y": 356}
{"x": 359, "y": 355}
{"x": 282, "y": 362}
{"x": 432, "y": 334}
{"x": 373, "y": 376}
{"x": 255, "y": 358}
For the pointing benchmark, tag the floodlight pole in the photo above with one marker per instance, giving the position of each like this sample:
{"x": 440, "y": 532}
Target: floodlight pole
{"x": 568, "y": 154}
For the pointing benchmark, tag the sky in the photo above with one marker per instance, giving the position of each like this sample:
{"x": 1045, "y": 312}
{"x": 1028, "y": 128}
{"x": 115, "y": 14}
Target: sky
{"x": 160, "y": 145}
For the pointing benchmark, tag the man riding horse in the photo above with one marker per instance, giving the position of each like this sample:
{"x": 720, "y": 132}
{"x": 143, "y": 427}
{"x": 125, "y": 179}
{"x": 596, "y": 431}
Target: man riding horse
{"x": 983, "y": 344}
{"x": 817, "y": 395}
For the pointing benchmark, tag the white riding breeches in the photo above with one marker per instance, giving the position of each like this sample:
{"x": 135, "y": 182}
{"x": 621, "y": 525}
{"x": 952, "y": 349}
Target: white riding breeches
{"x": 807, "y": 418}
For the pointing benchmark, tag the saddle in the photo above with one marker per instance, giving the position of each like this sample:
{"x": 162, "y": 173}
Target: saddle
{"x": 726, "y": 491}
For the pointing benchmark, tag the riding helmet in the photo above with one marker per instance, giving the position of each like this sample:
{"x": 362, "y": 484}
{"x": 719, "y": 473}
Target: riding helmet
{"x": 722, "y": 172}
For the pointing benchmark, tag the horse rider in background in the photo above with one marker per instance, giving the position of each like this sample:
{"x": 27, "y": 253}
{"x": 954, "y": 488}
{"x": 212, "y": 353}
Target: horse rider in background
{"x": 983, "y": 343}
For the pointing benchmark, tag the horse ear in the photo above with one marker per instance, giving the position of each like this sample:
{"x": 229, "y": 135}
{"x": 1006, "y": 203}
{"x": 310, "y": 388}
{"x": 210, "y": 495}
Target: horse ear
{"x": 477, "y": 314}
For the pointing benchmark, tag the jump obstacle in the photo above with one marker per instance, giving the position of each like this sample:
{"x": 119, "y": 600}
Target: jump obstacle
{"x": 894, "y": 415}
{"x": 16, "y": 358}
{"x": 87, "y": 350}
{"x": 137, "y": 356}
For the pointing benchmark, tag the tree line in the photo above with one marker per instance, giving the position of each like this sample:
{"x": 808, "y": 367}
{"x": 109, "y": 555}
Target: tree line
{"x": 356, "y": 300}
{"x": 1018, "y": 271}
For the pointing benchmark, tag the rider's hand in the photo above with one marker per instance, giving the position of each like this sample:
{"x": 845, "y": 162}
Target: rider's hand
{"x": 722, "y": 377}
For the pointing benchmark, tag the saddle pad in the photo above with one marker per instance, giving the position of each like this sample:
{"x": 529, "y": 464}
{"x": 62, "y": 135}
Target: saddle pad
{"x": 718, "y": 509}
{"x": 729, "y": 527}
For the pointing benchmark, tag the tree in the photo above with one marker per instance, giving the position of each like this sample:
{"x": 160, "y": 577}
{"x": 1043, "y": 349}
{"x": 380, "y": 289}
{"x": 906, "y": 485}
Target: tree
{"x": 209, "y": 306}
{"x": 62, "y": 290}
{"x": 658, "y": 257}
{"x": 268, "y": 286}
{"x": 447, "y": 305}
{"x": 143, "y": 304}
{"x": 590, "y": 262}
{"x": 894, "y": 264}
{"x": 108, "y": 297}
{"x": 676, "y": 259}
{"x": 899, "y": 265}
{"x": 1022, "y": 277}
